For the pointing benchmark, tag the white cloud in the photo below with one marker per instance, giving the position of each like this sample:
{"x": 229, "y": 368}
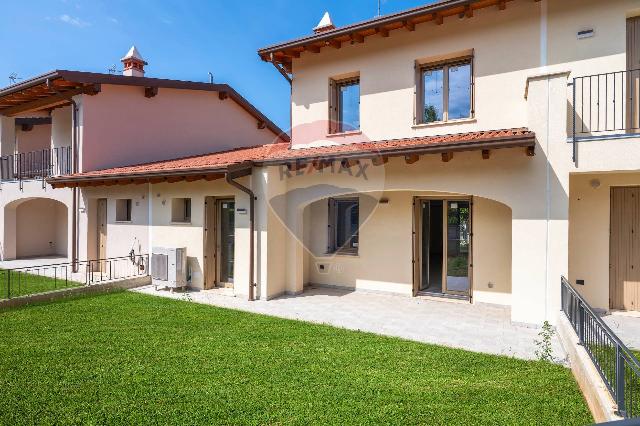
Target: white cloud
{"x": 113, "y": 20}
{"x": 76, "y": 22}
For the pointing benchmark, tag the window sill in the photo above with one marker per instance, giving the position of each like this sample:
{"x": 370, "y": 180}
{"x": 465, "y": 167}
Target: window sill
{"x": 343, "y": 134}
{"x": 123, "y": 221}
{"x": 445, "y": 123}
{"x": 179, "y": 223}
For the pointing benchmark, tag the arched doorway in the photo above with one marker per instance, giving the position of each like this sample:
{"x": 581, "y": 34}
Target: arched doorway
{"x": 40, "y": 228}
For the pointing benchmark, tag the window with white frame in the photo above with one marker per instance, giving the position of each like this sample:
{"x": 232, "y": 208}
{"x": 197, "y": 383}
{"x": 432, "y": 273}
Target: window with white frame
{"x": 445, "y": 91}
{"x": 181, "y": 210}
{"x": 123, "y": 210}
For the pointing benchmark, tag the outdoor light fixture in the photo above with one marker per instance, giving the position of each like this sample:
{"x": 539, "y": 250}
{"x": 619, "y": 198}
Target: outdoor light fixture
{"x": 595, "y": 183}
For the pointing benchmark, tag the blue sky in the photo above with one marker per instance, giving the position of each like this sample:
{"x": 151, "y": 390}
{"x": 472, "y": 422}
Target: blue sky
{"x": 180, "y": 39}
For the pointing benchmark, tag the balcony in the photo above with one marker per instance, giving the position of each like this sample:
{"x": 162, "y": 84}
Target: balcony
{"x": 36, "y": 164}
{"x": 605, "y": 106}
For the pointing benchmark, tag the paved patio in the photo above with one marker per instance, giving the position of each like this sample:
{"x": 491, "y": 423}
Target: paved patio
{"x": 481, "y": 327}
{"x": 627, "y": 326}
{"x": 33, "y": 261}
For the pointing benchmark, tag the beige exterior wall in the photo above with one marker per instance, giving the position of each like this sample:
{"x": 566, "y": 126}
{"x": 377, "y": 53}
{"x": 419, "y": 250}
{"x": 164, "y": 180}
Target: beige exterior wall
{"x": 384, "y": 260}
{"x": 174, "y": 123}
{"x": 532, "y": 48}
{"x": 33, "y": 216}
{"x": 589, "y": 223}
{"x": 155, "y": 201}
{"x": 49, "y": 236}
{"x": 526, "y": 39}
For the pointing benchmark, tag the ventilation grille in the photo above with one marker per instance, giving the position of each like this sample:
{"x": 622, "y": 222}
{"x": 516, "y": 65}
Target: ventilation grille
{"x": 160, "y": 266}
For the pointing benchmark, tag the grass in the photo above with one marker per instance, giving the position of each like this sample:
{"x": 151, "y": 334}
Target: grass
{"x": 127, "y": 358}
{"x": 23, "y": 283}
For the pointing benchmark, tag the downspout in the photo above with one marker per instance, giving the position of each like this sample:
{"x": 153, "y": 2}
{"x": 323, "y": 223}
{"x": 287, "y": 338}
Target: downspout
{"x": 74, "y": 169}
{"x": 229, "y": 177}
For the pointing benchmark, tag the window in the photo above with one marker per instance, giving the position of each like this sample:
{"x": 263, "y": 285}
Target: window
{"x": 343, "y": 225}
{"x": 345, "y": 105}
{"x": 445, "y": 91}
{"x": 123, "y": 210}
{"x": 181, "y": 210}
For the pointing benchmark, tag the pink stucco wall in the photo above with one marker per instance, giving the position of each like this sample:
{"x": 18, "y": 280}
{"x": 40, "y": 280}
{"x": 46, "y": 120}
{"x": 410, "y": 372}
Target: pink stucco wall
{"x": 122, "y": 127}
{"x": 37, "y": 139}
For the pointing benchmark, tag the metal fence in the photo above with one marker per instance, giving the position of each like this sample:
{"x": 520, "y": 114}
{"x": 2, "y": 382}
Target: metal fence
{"x": 617, "y": 365}
{"x": 606, "y": 104}
{"x": 44, "y": 278}
{"x": 36, "y": 164}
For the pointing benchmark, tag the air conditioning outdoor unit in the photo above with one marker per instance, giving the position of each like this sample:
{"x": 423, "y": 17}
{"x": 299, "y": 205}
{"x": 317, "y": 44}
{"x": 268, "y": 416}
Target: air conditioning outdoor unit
{"x": 169, "y": 267}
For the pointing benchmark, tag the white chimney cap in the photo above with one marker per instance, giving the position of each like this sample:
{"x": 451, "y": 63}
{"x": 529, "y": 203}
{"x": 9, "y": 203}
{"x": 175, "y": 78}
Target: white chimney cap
{"x": 133, "y": 53}
{"x": 325, "y": 24}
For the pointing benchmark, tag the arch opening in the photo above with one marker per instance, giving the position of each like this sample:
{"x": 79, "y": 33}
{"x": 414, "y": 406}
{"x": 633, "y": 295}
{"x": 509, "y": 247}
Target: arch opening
{"x": 36, "y": 227}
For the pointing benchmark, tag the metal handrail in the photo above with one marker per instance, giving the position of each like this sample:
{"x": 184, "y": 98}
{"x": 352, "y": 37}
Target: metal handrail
{"x": 36, "y": 279}
{"x": 616, "y": 364}
{"x": 605, "y": 103}
{"x": 36, "y": 164}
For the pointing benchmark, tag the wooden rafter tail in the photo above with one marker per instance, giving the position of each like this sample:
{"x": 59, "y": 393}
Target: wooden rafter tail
{"x": 410, "y": 159}
{"x": 447, "y": 156}
{"x": 486, "y": 154}
{"x": 530, "y": 151}
{"x": 348, "y": 163}
{"x": 379, "y": 160}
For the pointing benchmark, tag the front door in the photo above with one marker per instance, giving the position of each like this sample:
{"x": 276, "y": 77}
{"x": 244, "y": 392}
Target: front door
{"x": 443, "y": 246}
{"x": 101, "y": 235}
{"x": 624, "y": 252}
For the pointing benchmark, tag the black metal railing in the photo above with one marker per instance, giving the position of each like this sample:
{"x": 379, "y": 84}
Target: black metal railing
{"x": 44, "y": 278}
{"x": 36, "y": 164}
{"x": 617, "y": 365}
{"x": 606, "y": 104}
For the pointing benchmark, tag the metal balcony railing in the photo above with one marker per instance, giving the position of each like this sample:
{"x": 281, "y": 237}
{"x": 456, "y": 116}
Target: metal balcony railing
{"x": 617, "y": 365}
{"x": 605, "y": 105}
{"x": 36, "y": 164}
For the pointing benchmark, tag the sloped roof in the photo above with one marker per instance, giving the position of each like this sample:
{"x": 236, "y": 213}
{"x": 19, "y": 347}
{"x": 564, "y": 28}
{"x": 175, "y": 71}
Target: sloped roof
{"x": 281, "y": 153}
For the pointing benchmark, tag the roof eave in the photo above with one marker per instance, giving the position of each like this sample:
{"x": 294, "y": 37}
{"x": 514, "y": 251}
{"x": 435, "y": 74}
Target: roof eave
{"x": 365, "y": 25}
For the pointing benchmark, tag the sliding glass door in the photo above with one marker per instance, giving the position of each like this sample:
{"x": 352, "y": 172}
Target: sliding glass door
{"x": 458, "y": 243}
{"x": 444, "y": 246}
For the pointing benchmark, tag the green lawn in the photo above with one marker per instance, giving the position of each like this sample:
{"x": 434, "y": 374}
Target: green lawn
{"x": 126, "y": 358}
{"x": 23, "y": 283}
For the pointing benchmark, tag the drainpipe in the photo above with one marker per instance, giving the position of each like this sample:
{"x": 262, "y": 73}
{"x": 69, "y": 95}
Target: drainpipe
{"x": 245, "y": 169}
{"x": 74, "y": 169}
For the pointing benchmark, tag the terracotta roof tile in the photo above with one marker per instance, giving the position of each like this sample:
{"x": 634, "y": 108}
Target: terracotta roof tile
{"x": 281, "y": 152}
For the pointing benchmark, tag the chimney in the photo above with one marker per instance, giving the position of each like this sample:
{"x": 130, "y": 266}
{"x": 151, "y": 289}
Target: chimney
{"x": 325, "y": 24}
{"x": 133, "y": 63}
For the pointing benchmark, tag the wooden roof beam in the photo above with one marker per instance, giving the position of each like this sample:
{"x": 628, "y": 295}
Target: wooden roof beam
{"x": 383, "y": 32}
{"x": 312, "y": 48}
{"x": 379, "y": 160}
{"x": 447, "y": 156}
{"x": 50, "y": 100}
{"x": 438, "y": 19}
{"x": 410, "y": 159}
{"x": 486, "y": 154}
{"x": 356, "y": 38}
{"x": 502, "y": 4}
{"x": 409, "y": 25}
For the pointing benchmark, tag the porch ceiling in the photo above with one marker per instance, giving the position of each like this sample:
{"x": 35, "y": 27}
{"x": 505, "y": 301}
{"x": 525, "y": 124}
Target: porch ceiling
{"x": 216, "y": 165}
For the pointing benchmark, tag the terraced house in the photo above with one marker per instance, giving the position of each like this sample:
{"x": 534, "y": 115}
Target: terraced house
{"x": 468, "y": 149}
